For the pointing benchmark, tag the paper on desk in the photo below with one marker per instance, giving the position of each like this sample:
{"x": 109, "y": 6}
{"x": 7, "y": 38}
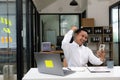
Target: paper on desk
{"x": 79, "y": 69}
{"x": 98, "y": 69}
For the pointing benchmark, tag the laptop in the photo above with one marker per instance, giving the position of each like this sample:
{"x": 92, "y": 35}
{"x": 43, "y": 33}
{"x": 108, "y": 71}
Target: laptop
{"x": 50, "y": 64}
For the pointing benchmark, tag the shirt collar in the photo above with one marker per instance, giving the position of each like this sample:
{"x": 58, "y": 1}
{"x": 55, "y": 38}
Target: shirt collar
{"x": 77, "y": 44}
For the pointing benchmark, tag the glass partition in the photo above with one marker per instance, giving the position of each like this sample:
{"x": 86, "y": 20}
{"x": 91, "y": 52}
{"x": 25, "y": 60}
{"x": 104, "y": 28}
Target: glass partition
{"x": 54, "y": 27}
{"x": 119, "y": 30}
{"x": 119, "y": 19}
{"x": 50, "y": 28}
{"x": 8, "y": 40}
{"x": 66, "y": 21}
{"x": 24, "y": 35}
{"x": 114, "y": 22}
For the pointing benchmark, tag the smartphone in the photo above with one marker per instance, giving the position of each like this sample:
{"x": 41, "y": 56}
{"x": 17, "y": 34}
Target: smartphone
{"x": 102, "y": 47}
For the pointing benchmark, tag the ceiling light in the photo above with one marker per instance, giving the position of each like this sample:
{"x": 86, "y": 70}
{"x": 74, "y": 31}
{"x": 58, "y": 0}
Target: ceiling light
{"x": 73, "y": 3}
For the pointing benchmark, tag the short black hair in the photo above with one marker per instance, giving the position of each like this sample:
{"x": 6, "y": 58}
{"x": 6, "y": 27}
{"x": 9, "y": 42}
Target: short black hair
{"x": 79, "y": 30}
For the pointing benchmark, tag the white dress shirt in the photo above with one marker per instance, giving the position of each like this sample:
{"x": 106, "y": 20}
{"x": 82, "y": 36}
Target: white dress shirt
{"x": 76, "y": 55}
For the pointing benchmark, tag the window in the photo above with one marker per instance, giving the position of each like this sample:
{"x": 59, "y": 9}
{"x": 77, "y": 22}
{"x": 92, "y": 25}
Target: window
{"x": 115, "y": 24}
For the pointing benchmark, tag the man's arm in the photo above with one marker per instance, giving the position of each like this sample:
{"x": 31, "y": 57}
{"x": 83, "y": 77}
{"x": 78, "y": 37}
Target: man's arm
{"x": 93, "y": 59}
{"x": 66, "y": 42}
{"x": 101, "y": 55}
{"x": 68, "y": 36}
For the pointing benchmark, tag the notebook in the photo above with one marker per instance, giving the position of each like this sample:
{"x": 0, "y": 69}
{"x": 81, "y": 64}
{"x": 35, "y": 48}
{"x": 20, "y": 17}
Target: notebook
{"x": 98, "y": 69}
{"x": 50, "y": 64}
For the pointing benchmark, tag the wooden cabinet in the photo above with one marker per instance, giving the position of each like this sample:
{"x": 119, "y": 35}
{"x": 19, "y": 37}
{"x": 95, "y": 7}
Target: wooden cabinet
{"x": 101, "y": 35}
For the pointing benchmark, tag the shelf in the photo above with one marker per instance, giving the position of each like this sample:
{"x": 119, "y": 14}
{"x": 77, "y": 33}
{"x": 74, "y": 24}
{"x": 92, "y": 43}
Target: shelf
{"x": 89, "y": 30}
{"x": 98, "y": 30}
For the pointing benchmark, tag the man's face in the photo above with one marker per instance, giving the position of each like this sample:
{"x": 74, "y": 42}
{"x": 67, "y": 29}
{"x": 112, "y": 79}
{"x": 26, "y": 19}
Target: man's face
{"x": 81, "y": 37}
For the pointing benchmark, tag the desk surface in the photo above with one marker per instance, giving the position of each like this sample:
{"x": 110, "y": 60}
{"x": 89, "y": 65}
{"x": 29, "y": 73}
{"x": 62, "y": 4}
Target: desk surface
{"x": 82, "y": 73}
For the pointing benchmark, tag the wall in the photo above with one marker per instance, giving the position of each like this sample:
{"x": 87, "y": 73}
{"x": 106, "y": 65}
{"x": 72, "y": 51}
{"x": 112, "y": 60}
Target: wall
{"x": 99, "y": 10}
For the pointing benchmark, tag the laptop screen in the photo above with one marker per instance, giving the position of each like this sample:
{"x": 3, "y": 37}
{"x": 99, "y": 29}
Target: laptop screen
{"x": 49, "y": 63}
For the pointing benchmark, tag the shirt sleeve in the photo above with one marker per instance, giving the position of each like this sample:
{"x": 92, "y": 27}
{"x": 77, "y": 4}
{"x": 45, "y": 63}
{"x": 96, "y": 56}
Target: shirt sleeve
{"x": 93, "y": 59}
{"x": 66, "y": 44}
{"x": 67, "y": 37}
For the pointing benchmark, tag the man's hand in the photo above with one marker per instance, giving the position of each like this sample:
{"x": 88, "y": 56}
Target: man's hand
{"x": 101, "y": 55}
{"x": 74, "y": 28}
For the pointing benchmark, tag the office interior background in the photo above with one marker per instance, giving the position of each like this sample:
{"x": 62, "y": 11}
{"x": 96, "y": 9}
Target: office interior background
{"x": 24, "y": 24}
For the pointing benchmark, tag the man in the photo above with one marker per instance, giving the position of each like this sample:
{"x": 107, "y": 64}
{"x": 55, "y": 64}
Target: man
{"x": 76, "y": 53}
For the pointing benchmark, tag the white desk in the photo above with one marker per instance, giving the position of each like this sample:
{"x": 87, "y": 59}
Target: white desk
{"x": 84, "y": 74}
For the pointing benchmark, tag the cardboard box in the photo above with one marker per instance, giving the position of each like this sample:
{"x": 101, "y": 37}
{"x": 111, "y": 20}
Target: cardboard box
{"x": 87, "y": 22}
